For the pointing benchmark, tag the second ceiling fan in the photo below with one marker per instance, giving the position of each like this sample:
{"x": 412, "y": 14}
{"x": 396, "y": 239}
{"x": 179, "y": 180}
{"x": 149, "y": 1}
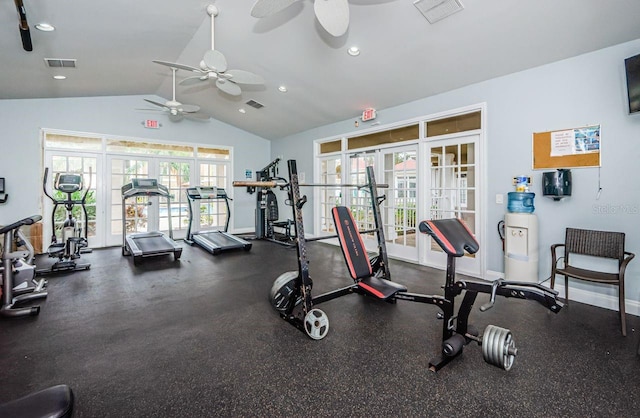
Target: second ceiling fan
{"x": 214, "y": 67}
{"x": 333, "y": 15}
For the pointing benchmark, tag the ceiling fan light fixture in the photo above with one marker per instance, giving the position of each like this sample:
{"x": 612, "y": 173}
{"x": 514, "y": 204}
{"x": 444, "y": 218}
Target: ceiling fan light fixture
{"x": 354, "y": 51}
{"x": 45, "y": 27}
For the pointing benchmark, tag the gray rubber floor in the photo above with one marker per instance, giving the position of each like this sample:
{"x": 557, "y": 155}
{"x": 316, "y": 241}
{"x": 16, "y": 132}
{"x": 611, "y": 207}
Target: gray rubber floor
{"x": 198, "y": 338}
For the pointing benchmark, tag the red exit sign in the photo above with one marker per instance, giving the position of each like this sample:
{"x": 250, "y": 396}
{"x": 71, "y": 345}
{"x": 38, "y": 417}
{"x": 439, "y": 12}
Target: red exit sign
{"x": 368, "y": 114}
{"x": 151, "y": 124}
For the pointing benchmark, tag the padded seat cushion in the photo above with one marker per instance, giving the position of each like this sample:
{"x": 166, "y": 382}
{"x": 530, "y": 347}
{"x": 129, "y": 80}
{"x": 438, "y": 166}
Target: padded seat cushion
{"x": 453, "y": 236}
{"x": 380, "y": 288}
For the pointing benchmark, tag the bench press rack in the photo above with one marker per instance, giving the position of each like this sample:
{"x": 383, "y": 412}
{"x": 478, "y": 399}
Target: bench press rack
{"x": 291, "y": 291}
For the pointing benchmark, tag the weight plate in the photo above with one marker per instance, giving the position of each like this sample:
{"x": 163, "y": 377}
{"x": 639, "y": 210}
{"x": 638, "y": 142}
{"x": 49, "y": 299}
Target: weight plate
{"x": 498, "y": 347}
{"x": 316, "y": 324}
{"x": 282, "y": 293}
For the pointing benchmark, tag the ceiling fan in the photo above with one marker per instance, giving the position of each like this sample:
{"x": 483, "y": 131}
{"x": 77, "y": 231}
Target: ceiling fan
{"x": 24, "y": 26}
{"x": 178, "y": 111}
{"x": 333, "y": 15}
{"x": 214, "y": 67}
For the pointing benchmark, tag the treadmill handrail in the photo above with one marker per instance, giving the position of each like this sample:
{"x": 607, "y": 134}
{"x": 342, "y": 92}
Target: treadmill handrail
{"x": 194, "y": 194}
{"x": 128, "y": 191}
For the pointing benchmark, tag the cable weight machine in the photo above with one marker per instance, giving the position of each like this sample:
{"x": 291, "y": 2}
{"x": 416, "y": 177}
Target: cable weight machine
{"x": 266, "y": 214}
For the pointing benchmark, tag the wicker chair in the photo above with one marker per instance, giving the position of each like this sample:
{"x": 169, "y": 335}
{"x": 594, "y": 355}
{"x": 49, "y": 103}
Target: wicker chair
{"x": 598, "y": 244}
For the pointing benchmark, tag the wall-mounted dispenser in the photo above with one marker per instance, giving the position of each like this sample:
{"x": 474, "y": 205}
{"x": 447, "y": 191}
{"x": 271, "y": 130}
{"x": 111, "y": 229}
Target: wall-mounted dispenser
{"x": 3, "y": 195}
{"x": 556, "y": 184}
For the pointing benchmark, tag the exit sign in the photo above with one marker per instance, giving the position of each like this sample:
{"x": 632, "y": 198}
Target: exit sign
{"x": 151, "y": 124}
{"x": 368, "y": 114}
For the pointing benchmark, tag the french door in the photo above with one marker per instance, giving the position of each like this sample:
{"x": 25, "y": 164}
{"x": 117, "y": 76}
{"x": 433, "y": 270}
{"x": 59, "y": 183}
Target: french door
{"x": 359, "y": 200}
{"x": 147, "y": 213}
{"x": 452, "y": 191}
{"x": 138, "y": 216}
{"x": 399, "y": 210}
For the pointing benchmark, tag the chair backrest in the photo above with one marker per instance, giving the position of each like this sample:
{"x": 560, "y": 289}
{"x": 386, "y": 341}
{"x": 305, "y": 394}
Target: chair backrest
{"x": 595, "y": 243}
{"x": 353, "y": 249}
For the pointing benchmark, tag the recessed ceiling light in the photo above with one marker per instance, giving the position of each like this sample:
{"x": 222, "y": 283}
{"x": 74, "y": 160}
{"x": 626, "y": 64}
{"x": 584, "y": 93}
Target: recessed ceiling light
{"x": 59, "y": 77}
{"x": 353, "y": 51}
{"x": 45, "y": 27}
{"x": 242, "y": 110}
{"x": 282, "y": 89}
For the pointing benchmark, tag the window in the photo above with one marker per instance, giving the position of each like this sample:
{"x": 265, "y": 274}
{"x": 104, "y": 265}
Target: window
{"x": 391, "y": 136}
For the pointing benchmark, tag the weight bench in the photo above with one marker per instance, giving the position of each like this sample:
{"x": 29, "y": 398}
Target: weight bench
{"x": 291, "y": 291}
{"x": 53, "y": 402}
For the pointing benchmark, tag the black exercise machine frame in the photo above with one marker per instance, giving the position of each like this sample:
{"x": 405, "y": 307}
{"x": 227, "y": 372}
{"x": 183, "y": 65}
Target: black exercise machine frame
{"x": 456, "y": 331}
{"x": 70, "y": 249}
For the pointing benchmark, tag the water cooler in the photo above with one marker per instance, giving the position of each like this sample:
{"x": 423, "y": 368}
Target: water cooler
{"x": 521, "y": 236}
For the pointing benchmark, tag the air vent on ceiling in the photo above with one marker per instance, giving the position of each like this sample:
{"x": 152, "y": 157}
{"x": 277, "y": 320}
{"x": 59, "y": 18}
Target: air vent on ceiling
{"x": 435, "y": 10}
{"x": 255, "y": 104}
{"x": 60, "y": 63}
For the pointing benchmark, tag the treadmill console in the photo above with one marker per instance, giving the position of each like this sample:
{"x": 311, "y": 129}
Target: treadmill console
{"x": 68, "y": 182}
{"x": 144, "y": 183}
{"x": 206, "y": 192}
{"x": 144, "y": 187}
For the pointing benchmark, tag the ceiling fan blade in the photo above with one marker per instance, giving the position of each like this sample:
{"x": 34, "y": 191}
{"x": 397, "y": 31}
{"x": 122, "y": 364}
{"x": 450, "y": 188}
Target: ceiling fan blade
{"x": 333, "y": 15}
{"x": 264, "y": 8}
{"x": 162, "y": 105}
{"x": 178, "y": 66}
{"x": 190, "y": 81}
{"x": 197, "y": 116}
{"x": 24, "y": 26}
{"x": 244, "y": 77}
{"x": 215, "y": 60}
{"x": 187, "y": 108}
{"x": 229, "y": 87}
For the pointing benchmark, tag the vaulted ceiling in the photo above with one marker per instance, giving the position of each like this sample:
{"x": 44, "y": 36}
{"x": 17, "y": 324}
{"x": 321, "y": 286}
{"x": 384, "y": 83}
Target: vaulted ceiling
{"x": 403, "y": 57}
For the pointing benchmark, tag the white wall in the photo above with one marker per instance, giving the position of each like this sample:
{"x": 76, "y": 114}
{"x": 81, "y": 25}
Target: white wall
{"x": 583, "y": 90}
{"x": 21, "y": 151}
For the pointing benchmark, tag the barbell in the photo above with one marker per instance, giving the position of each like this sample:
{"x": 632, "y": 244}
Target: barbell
{"x": 272, "y": 184}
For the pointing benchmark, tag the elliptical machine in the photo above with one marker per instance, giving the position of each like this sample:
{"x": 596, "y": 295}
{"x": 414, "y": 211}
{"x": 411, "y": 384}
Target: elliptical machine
{"x": 73, "y": 241}
{"x": 14, "y": 263}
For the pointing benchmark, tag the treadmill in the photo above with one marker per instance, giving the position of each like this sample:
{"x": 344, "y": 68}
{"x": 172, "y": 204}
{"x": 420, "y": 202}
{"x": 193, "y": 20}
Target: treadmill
{"x": 147, "y": 244}
{"x": 214, "y": 241}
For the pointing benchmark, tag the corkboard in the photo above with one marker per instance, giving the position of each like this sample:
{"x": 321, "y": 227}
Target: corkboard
{"x": 542, "y": 157}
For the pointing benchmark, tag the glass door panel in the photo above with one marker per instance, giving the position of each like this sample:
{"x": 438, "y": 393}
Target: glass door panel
{"x": 452, "y": 192}
{"x": 176, "y": 176}
{"x": 81, "y": 163}
{"x": 138, "y": 217}
{"x": 399, "y": 210}
{"x": 359, "y": 200}
{"x": 213, "y": 213}
{"x": 330, "y": 173}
